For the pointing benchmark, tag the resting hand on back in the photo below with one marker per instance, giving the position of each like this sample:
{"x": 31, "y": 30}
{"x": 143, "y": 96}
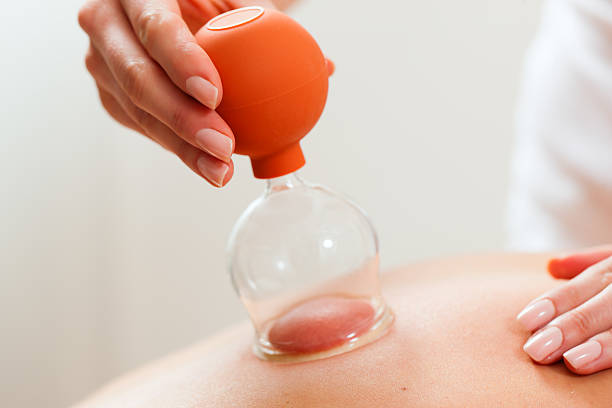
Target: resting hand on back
{"x": 574, "y": 321}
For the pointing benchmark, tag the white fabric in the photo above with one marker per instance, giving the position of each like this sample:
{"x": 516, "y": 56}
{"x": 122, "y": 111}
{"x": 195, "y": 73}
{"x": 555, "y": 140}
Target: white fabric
{"x": 561, "y": 186}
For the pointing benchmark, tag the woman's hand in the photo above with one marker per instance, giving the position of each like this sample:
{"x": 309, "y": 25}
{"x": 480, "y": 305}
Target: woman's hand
{"x": 154, "y": 78}
{"x": 574, "y": 321}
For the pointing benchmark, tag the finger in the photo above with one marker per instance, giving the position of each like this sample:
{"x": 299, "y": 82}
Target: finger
{"x": 591, "y": 356}
{"x": 116, "y": 111}
{"x": 566, "y": 267}
{"x": 168, "y": 40}
{"x": 331, "y": 67}
{"x": 107, "y": 88}
{"x": 216, "y": 172}
{"x": 567, "y": 296}
{"x": 148, "y": 87}
{"x": 571, "y": 328}
{"x": 110, "y": 89}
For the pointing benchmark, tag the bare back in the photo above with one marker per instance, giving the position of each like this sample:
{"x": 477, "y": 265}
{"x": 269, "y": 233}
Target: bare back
{"x": 454, "y": 344}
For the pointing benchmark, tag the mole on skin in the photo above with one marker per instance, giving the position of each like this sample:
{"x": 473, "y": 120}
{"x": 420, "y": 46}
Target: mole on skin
{"x": 321, "y": 324}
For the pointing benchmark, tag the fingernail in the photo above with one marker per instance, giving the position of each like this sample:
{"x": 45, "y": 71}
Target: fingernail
{"x": 544, "y": 344}
{"x": 537, "y": 314}
{"x": 583, "y": 354}
{"x": 215, "y": 143}
{"x": 203, "y": 91}
{"x": 213, "y": 170}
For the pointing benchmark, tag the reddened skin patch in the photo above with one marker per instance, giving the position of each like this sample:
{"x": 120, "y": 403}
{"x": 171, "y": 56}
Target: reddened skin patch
{"x": 321, "y": 324}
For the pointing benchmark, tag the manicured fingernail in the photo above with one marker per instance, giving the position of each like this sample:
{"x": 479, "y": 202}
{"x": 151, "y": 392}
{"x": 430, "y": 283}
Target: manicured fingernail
{"x": 583, "y": 354}
{"x": 203, "y": 91}
{"x": 213, "y": 170}
{"x": 544, "y": 343}
{"x": 537, "y": 314}
{"x": 215, "y": 143}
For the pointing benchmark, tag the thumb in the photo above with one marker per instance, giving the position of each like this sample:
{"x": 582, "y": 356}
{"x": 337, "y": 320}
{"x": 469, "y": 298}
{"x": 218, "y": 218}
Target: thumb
{"x": 568, "y": 266}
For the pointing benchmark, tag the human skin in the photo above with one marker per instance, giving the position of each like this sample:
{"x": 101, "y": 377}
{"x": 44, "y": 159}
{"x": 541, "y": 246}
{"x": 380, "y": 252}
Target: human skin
{"x": 154, "y": 78}
{"x": 574, "y": 320}
{"x": 455, "y": 343}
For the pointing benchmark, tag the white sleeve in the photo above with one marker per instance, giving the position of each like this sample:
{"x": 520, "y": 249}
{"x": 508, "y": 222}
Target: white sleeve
{"x": 561, "y": 178}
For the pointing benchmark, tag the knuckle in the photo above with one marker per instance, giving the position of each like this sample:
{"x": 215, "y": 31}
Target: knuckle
{"x": 87, "y": 15}
{"x": 178, "y": 119}
{"x": 90, "y": 62}
{"x": 570, "y": 294}
{"x": 605, "y": 271}
{"x": 133, "y": 74}
{"x": 580, "y": 322}
{"x": 153, "y": 22}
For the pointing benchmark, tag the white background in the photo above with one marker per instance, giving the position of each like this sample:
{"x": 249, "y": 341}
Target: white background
{"x": 112, "y": 253}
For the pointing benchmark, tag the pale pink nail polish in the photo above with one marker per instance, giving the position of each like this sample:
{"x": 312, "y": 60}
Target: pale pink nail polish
{"x": 215, "y": 143}
{"x": 583, "y": 354}
{"x": 213, "y": 169}
{"x": 544, "y": 343}
{"x": 537, "y": 314}
{"x": 203, "y": 90}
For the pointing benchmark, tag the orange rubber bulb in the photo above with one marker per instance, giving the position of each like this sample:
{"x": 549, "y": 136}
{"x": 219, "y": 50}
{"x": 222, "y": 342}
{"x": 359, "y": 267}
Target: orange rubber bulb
{"x": 275, "y": 81}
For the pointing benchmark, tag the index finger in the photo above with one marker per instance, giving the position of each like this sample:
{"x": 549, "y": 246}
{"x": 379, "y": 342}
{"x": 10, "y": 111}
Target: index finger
{"x": 568, "y": 296}
{"x": 167, "y": 39}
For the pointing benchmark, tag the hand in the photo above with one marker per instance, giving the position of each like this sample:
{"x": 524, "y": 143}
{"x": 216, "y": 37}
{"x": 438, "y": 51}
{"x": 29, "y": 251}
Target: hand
{"x": 574, "y": 321}
{"x": 154, "y": 78}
